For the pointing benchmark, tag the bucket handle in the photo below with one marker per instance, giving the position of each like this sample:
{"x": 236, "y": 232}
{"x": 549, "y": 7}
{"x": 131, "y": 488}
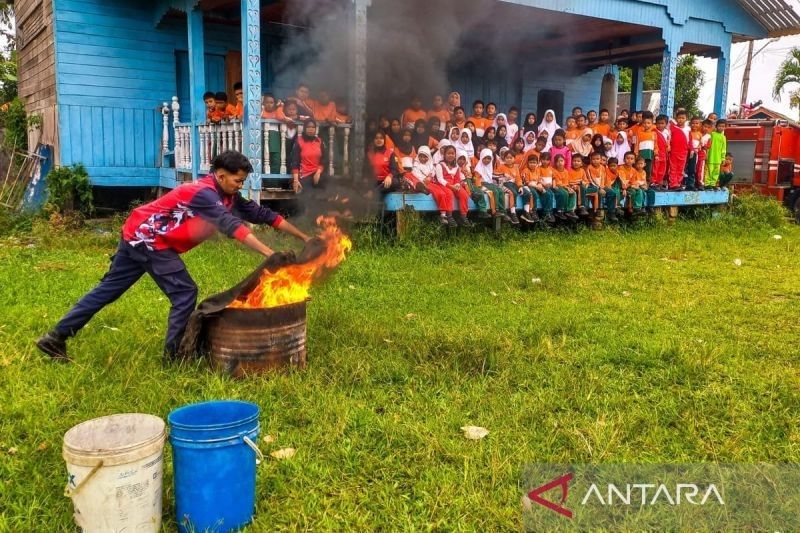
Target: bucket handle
{"x": 69, "y": 492}
{"x": 249, "y": 442}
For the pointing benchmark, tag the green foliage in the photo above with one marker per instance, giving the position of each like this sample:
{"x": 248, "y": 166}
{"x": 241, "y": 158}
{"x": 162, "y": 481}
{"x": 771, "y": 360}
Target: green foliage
{"x": 689, "y": 79}
{"x": 15, "y": 121}
{"x": 598, "y": 347}
{"x": 13, "y": 223}
{"x": 753, "y": 210}
{"x": 69, "y": 190}
{"x": 788, "y": 74}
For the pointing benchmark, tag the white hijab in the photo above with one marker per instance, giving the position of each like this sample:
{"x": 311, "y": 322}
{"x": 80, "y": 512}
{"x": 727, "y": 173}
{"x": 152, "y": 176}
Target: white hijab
{"x": 549, "y": 127}
{"x": 618, "y": 149}
{"x": 449, "y": 133}
{"x": 485, "y": 171}
{"x": 466, "y": 146}
{"x": 422, "y": 170}
{"x": 532, "y": 144}
{"x": 462, "y": 153}
{"x": 439, "y": 157}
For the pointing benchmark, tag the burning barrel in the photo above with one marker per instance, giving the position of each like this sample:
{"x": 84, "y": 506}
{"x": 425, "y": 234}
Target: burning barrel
{"x": 245, "y": 341}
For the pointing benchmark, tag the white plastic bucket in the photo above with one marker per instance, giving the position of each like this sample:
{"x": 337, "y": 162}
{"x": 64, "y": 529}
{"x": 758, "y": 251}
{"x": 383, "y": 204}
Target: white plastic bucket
{"x": 114, "y": 471}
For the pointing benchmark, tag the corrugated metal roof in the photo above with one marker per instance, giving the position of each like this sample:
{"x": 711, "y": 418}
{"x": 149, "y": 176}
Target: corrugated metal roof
{"x": 776, "y": 16}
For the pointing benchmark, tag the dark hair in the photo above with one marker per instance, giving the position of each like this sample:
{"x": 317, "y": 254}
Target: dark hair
{"x": 612, "y": 159}
{"x": 559, "y": 133}
{"x": 629, "y": 153}
{"x": 605, "y": 111}
{"x": 543, "y": 139}
{"x": 221, "y": 96}
{"x": 559, "y": 156}
{"x": 491, "y": 103}
{"x": 662, "y": 117}
{"x": 647, "y": 115}
{"x": 577, "y": 108}
{"x": 721, "y": 122}
{"x": 231, "y": 161}
{"x": 268, "y": 95}
{"x": 456, "y": 108}
{"x": 598, "y": 154}
{"x": 207, "y": 95}
{"x": 476, "y": 102}
{"x": 640, "y": 158}
{"x": 513, "y": 108}
{"x": 545, "y": 156}
{"x": 532, "y": 157}
{"x": 237, "y": 86}
{"x": 301, "y": 85}
{"x": 308, "y": 121}
{"x": 696, "y": 118}
{"x": 728, "y": 154}
{"x": 680, "y": 112}
{"x": 581, "y": 116}
{"x": 708, "y": 122}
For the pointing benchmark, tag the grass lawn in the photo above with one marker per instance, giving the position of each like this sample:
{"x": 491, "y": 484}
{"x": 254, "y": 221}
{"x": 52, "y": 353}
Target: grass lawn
{"x": 646, "y": 345}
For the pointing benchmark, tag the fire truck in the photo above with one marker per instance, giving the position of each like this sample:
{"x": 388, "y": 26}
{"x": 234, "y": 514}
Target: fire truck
{"x": 774, "y": 148}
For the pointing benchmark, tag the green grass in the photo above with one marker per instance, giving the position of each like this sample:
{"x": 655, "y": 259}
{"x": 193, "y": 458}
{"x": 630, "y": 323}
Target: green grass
{"x": 644, "y": 345}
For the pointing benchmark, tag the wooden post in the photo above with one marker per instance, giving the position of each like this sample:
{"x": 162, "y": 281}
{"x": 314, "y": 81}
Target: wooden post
{"x": 346, "y": 156}
{"x": 251, "y": 85}
{"x": 331, "y": 138}
{"x": 197, "y": 81}
{"x": 164, "y": 131}
{"x": 673, "y": 214}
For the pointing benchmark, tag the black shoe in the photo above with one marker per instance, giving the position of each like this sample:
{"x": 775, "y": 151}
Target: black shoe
{"x": 572, "y": 216}
{"x": 560, "y": 215}
{"x": 526, "y": 217}
{"x": 611, "y": 217}
{"x": 507, "y": 218}
{"x": 451, "y": 222}
{"x": 467, "y": 223}
{"x": 484, "y": 214}
{"x": 459, "y": 218}
{"x": 582, "y": 212}
{"x": 55, "y": 345}
{"x": 550, "y": 219}
{"x": 620, "y": 213}
{"x": 513, "y": 217}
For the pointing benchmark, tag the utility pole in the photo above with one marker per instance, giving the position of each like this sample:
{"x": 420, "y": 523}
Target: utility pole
{"x": 747, "y": 67}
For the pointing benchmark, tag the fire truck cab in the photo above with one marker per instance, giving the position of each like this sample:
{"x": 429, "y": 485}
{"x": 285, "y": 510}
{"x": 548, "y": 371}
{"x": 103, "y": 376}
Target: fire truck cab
{"x": 773, "y": 146}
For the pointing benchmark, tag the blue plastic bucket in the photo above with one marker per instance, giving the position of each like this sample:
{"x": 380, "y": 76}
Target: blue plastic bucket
{"x": 214, "y": 465}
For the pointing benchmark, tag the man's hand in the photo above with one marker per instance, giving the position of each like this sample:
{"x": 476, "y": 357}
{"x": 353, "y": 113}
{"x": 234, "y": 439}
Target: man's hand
{"x": 252, "y": 242}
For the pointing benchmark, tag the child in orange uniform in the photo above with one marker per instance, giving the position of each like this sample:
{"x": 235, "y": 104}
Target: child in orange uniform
{"x": 645, "y": 143}
{"x": 412, "y": 114}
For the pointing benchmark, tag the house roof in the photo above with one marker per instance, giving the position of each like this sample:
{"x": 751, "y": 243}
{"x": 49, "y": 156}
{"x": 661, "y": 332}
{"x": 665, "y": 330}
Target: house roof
{"x": 768, "y": 113}
{"x": 776, "y": 16}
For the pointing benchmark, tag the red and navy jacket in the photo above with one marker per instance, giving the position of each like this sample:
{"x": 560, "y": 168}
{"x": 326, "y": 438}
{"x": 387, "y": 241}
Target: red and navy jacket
{"x": 308, "y": 156}
{"x": 190, "y": 214}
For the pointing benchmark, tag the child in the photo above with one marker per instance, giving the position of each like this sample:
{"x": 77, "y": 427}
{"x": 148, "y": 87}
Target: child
{"x": 560, "y": 148}
{"x": 591, "y": 117}
{"x": 716, "y": 154}
{"x": 695, "y": 138}
{"x": 454, "y": 135}
{"x": 323, "y": 107}
{"x": 412, "y": 114}
{"x": 572, "y": 132}
{"x": 628, "y": 179}
{"x": 502, "y": 135}
{"x": 577, "y": 180}
{"x": 271, "y": 112}
{"x": 208, "y": 99}
{"x": 426, "y": 170}
{"x": 566, "y": 198}
{"x": 448, "y": 173}
{"x": 236, "y": 111}
{"x": 477, "y": 192}
{"x": 529, "y": 175}
{"x": 726, "y": 171}
{"x": 220, "y": 107}
{"x": 459, "y": 117}
{"x": 491, "y": 112}
{"x": 422, "y": 172}
{"x": 341, "y": 116}
{"x": 435, "y": 130}
{"x": 464, "y": 142}
{"x": 513, "y": 127}
{"x": 512, "y": 181}
{"x": 268, "y": 108}
{"x": 420, "y": 136}
{"x": 549, "y": 126}
{"x": 702, "y": 153}
{"x": 679, "y": 148}
{"x": 404, "y": 147}
{"x": 518, "y": 149}
{"x": 603, "y": 127}
{"x": 483, "y": 180}
{"x": 438, "y": 111}
{"x": 595, "y": 184}
{"x": 641, "y": 182}
{"x": 613, "y": 181}
{"x": 645, "y": 142}
{"x": 662, "y": 147}
{"x": 478, "y": 119}
{"x": 620, "y": 146}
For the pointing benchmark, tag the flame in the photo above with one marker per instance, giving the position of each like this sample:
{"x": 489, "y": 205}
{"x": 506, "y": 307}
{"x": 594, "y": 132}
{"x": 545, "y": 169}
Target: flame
{"x": 291, "y": 283}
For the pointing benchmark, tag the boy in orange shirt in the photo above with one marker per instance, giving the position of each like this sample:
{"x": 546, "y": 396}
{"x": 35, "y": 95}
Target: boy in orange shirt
{"x": 629, "y": 183}
{"x": 323, "y": 108}
{"x": 603, "y": 127}
{"x": 478, "y": 119}
{"x": 439, "y": 111}
{"x": 645, "y": 145}
{"x": 565, "y": 196}
{"x": 530, "y": 178}
{"x": 412, "y": 114}
{"x": 236, "y": 111}
{"x": 577, "y": 180}
{"x": 208, "y": 99}
{"x": 595, "y": 184}
{"x": 220, "y": 107}
{"x": 512, "y": 181}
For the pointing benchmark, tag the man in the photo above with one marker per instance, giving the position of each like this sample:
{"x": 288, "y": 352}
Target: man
{"x": 305, "y": 107}
{"x": 155, "y": 234}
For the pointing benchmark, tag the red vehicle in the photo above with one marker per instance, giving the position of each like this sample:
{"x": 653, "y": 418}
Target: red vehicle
{"x": 774, "y": 148}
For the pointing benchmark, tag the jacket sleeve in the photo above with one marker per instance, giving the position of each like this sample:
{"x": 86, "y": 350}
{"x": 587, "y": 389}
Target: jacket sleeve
{"x": 207, "y": 204}
{"x": 256, "y": 214}
{"x": 294, "y": 158}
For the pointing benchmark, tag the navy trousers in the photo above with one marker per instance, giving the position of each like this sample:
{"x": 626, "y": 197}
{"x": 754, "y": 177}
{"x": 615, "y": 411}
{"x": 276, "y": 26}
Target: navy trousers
{"x": 127, "y": 266}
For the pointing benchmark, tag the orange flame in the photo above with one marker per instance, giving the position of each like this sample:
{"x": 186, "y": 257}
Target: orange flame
{"x": 291, "y": 283}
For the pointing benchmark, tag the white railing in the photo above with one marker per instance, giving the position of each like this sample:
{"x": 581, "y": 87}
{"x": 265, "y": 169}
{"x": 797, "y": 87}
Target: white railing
{"x": 277, "y": 142}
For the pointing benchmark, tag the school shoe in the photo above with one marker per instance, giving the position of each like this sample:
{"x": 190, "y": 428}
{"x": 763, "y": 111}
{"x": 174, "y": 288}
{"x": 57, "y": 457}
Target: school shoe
{"x": 506, "y": 217}
{"x": 611, "y": 216}
{"x": 451, "y": 222}
{"x": 560, "y": 215}
{"x": 583, "y": 212}
{"x": 620, "y": 213}
{"x": 443, "y": 219}
{"x": 526, "y": 217}
{"x": 572, "y": 216}
{"x": 484, "y": 214}
{"x": 550, "y": 219}
{"x": 55, "y": 345}
{"x": 461, "y": 220}
{"x": 513, "y": 218}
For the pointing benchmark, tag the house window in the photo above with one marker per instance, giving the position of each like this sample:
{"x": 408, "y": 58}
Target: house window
{"x": 30, "y": 23}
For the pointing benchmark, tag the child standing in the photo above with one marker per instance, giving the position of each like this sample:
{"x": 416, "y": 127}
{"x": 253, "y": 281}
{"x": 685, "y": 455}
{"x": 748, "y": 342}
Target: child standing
{"x": 641, "y": 181}
{"x": 660, "y": 161}
{"x": 679, "y": 148}
{"x": 645, "y": 145}
{"x": 566, "y": 198}
{"x": 716, "y": 154}
{"x": 695, "y": 138}
{"x": 702, "y": 153}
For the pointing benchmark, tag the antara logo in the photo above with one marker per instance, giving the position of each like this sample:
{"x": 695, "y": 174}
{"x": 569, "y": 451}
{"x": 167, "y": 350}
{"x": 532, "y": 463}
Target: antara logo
{"x": 631, "y": 494}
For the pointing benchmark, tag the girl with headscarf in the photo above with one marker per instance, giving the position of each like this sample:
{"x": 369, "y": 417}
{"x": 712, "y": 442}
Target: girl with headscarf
{"x": 597, "y": 144}
{"x": 582, "y": 146}
{"x": 420, "y": 137}
{"x": 421, "y": 171}
{"x": 549, "y": 125}
{"x": 308, "y": 159}
{"x": 502, "y": 136}
{"x": 530, "y": 140}
{"x": 449, "y": 175}
{"x": 438, "y": 156}
{"x": 483, "y": 177}
{"x": 465, "y": 142}
{"x": 454, "y": 134}
{"x": 453, "y": 101}
{"x": 405, "y": 147}
{"x": 502, "y": 120}
{"x": 395, "y": 133}
{"x": 530, "y": 123}
{"x": 620, "y": 146}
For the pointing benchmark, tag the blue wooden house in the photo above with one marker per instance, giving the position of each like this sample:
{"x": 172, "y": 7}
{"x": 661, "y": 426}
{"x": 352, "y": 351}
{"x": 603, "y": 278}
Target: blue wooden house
{"x": 119, "y": 83}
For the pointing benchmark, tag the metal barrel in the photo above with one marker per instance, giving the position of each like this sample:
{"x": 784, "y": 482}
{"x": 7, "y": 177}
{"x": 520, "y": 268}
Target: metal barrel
{"x": 251, "y": 341}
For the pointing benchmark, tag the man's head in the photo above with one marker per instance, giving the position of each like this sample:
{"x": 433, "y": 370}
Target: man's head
{"x": 230, "y": 169}
{"x": 238, "y": 92}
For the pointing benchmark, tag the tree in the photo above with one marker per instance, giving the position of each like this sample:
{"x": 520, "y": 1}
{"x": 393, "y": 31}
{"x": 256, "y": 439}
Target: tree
{"x": 788, "y": 73}
{"x": 688, "y": 81}
{"x": 8, "y": 55}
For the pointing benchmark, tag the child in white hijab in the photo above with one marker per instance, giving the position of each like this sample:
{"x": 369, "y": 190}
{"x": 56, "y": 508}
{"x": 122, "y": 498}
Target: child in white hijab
{"x": 549, "y": 125}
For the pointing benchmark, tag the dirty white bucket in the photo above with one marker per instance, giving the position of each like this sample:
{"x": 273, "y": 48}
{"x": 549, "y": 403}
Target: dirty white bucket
{"x": 114, "y": 471}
